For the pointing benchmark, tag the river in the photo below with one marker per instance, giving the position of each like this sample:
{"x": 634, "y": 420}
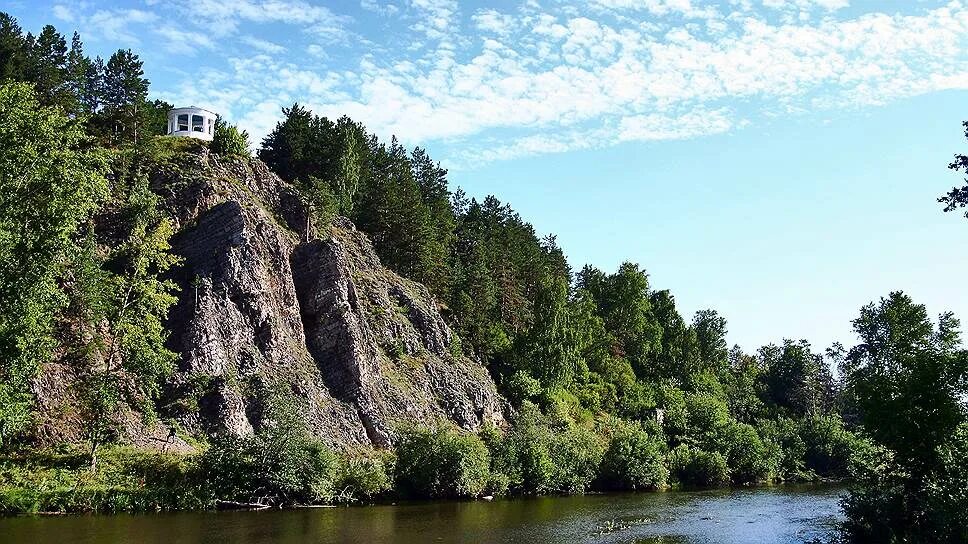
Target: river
{"x": 788, "y": 514}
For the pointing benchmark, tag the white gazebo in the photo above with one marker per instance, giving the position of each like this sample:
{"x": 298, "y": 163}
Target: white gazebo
{"x": 192, "y": 122}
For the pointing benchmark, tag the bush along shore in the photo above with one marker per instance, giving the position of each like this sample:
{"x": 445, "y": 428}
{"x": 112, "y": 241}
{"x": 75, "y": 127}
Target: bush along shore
{"x": 282, "y": 466}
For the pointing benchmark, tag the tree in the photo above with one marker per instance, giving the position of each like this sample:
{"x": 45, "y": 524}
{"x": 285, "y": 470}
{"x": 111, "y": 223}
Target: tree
{"x": 549, "y": 350}
{"x": 13, "y": 50}
{"x": 625, "y": 307}
{"x": 127, "y": 358}
{"x": 50, "y": 183}
{"x": 957, "y": 197}
{"x": 680, "y": 347}
{"x": 742, "y": 384}
{"x": 92, "y": 90}
{"x": 124, "y": 93}
{"x": 909, "y": 378}
{"x": 710, "y": 329}
{"x": 76, "y": 68}
{"x": 229, "y": 140}
{"x": 286, "y": 150}
{"x": 795, "y": 377}
{"x": 46, "y": 67}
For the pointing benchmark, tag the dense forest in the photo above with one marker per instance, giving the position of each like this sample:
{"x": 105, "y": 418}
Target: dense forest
{"x": 610, "y": 387}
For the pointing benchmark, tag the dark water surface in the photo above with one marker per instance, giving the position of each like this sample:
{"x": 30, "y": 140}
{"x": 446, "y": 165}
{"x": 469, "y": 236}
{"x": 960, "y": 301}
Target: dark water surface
{"x": 765, "y": 515}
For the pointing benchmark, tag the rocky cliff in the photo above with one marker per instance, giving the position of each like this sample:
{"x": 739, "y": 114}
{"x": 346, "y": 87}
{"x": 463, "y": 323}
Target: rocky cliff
{"x": 272, "y": 313}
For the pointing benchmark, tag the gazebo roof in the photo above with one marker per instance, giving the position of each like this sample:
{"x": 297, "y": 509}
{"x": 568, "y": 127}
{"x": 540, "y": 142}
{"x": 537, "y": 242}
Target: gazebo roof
{"x": 191, "y": 108}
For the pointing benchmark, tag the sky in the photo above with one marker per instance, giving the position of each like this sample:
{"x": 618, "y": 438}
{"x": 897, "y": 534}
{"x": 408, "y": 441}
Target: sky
{"x": 776, "y": 160}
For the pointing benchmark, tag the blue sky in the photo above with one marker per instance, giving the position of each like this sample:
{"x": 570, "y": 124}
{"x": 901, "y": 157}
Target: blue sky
{"x": 777, "y": 160}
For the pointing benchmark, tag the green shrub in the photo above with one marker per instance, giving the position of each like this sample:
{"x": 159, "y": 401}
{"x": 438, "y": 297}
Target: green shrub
{"x": 364, "y": 475}
{"x": 126, "y": 480}
{"x": 441, "y": 462}
{"x": 748, "y": 458}
{"x": 576, "y": 453}
{"x": 275, "y": 467}
{"x": 229, "y": 140}
{"x": 707, "y": 416}
{"x": 634, "y": 460}
{"x": 672, "y": 401}
{"x": 637, "y": 402}
{"x": 696, "y": 467}
{"x": 827, "y": 445}
{"x": 520, "y": 386}
{"x": 522, "y": 456}
{"x": 882, "y": 506}
{"x": 535, "y": 458}
{"x": 786, "y": 448}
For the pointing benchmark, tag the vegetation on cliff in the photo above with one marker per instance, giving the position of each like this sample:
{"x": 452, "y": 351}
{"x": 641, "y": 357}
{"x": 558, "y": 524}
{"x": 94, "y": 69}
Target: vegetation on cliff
{"x": 609, "y": 386}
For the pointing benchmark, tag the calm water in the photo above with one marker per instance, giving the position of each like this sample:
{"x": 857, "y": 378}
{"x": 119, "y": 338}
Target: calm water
{"x": 770, "y": 515}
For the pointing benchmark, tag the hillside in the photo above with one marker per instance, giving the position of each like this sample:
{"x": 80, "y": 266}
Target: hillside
{"x": 271, "y": 311}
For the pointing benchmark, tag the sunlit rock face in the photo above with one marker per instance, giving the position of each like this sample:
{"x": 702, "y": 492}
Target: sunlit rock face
{"x": 272, "y": 312}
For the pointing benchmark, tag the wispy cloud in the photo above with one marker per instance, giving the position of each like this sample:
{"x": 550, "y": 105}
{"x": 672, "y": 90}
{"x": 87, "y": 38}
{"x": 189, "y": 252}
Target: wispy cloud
{"x": 262, "y": 45}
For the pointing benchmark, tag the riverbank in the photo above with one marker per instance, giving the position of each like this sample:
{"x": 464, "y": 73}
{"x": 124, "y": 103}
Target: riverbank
{"x": 129, "y": 480}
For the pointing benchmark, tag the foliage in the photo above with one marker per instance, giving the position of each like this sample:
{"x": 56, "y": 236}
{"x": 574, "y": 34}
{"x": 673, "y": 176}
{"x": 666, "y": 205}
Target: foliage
{"x": 957, "y": 197}
{"x": 124, "y": 308}
{"x": 126, "y": 480}
{"x": 51, "y": 182}
{"x": 549, "y": 350}
{"x": 796, "y": 380}
{"x": 520, "y": 387}
{"x": 828, "y": 446}
{"x": 440, "y": 462}
{"x": 229, "y": 140}
{"x": 908, "y": 378}
{"x": 787, "y": 449}
{"x": 707, "y": 417}
{"x": 538, "y": 456}
{"x": 282, "y": 464}
{"x": 635, "y": 459}
{"x": 747, "y": 456}
{"x": 695, "y": 467}
{"x": 364, "y": 475}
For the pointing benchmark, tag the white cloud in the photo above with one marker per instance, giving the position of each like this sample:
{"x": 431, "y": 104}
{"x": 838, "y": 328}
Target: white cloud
{"x": 118, "y": 25}
{"x": 223, "y": 17}
{"x": 376, "y": 7}
{"x": 262, "y": 45}
{"x": 435, "y": 18}
{"x": 63, "y": 13}
{"x": 653, "y": 126}
{"x": 829, "y": 5}
{"x": 683, "y": 8}
{"x": 182, "y": 41}
{"x": 493, "y": 21}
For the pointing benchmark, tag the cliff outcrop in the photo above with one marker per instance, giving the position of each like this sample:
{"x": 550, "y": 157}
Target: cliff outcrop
{"x": 273, "y": 315}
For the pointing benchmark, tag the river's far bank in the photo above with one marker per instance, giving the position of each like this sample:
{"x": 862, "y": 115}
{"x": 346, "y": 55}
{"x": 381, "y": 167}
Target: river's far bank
{"x": 130, "y": 480}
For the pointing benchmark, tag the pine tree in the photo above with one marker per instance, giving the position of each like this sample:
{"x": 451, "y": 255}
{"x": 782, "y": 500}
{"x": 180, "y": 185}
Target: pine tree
{"x": 47, "y": 66}
{"x": 76, "y": 69}
{"x": 13, "y": 49}
{"x": 124, "y": 93}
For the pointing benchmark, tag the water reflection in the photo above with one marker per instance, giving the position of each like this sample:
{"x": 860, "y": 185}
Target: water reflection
{"x": 769, "y": 515}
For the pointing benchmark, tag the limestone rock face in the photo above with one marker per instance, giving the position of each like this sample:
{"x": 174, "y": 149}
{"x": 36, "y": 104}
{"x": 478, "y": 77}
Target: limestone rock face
{"x": 270, "y": 310}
